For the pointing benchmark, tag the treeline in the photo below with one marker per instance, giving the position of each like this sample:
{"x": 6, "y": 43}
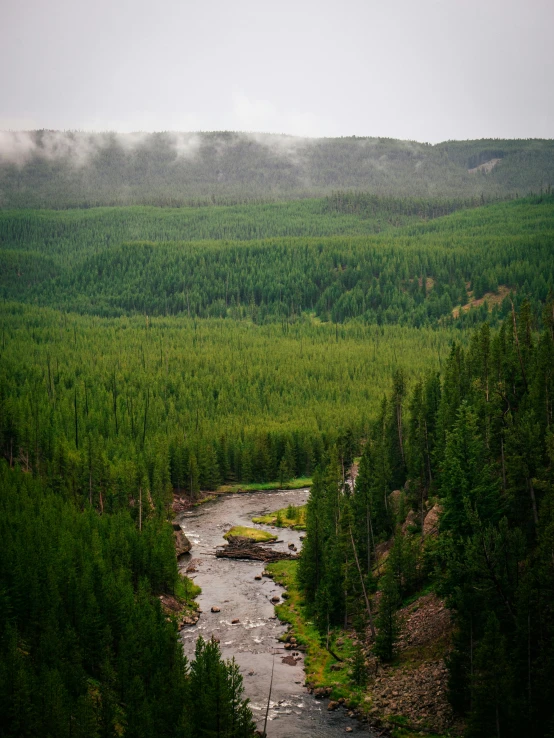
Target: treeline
{"x": 368, "y": 205}
{"x": 476, "y": 442}
{"x": 85, "y": 648}
{"x": 104, "y": 407}
{"x": 415, "y": 276}
{"x": 53, "y": 169}
{"x": 69, "y": 234}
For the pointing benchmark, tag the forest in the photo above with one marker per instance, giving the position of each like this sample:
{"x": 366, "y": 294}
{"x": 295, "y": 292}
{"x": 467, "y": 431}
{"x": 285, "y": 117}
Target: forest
{"x": 55, "y": 169}
{"x": 415, "y": 274}
{"x": 150, "y": 351}
{"x": 475, "y": 439}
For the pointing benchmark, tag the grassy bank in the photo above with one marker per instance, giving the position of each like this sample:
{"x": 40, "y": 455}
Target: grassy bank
{"x": 187, "y": 591}
{"x": 286, "y": 517}
{"x": 254, "y": 534}
{"x": 298, "y": 483}
{"x": 323, "y": 670}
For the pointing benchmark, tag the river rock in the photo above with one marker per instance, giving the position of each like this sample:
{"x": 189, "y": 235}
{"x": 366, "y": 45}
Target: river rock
{"x": 320, "y": 692}
{"x": 332, "y": 705}
{"x": 275, "y": 599}
{"x": 182, "y": 543}
{"x": 188, "y": 620}
{"x": 235, "y": 621}
{"x": 258, "y": 578}
{"x": 215, "y": 608}
{"x": 348, "y": 729}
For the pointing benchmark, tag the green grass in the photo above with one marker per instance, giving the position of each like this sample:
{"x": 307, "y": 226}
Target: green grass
{"x": 318, "y": 660}
{"x": 298, "y": 483}
{"x": 207, "y": 498}
{"x": 280, "y": 519}
{"x": 255, "y": 534}
{"x": 187, "y": 590}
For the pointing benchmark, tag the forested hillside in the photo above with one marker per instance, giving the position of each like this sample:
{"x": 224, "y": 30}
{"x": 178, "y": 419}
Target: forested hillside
{"x": 416, "y": 275}
{"x": 475, "y": 443}
{"x": 103, "y": 404}
{"x": 148, "y": 352}
{"x": 54, "y": 169}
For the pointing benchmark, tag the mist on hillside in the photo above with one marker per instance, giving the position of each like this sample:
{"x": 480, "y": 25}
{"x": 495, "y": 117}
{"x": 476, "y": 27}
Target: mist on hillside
{"x": 83, "y": 169}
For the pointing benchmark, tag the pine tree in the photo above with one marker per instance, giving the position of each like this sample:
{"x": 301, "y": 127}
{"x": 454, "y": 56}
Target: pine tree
{"x": 387, "y": 619}
{"x": 359, "y": 668}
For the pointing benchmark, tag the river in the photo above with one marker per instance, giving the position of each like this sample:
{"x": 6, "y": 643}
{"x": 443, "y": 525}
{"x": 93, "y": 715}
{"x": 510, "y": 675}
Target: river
{"x": 230, "y": 585}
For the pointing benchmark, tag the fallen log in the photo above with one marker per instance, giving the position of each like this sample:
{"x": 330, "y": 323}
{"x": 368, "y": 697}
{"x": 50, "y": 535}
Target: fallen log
{"x": 244, "y": 548}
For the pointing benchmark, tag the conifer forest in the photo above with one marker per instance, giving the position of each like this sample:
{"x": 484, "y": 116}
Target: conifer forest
{"x": 264, "y": 313}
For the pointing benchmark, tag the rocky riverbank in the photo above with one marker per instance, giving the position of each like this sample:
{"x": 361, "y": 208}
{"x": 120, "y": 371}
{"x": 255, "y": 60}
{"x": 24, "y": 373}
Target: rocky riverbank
{"x": 237, "y": 604}
{"x": 405, "y": 698}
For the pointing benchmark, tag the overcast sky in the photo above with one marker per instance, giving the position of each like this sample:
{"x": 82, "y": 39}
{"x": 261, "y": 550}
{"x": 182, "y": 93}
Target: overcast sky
{"x": 428, "y": 70}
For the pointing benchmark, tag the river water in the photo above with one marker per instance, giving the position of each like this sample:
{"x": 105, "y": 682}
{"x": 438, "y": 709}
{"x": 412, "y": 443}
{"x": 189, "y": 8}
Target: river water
{"x": 230, "y": 585}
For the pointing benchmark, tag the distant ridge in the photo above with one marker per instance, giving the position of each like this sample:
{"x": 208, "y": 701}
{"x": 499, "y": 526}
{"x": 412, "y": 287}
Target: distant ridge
{"x": 54, "y": 169}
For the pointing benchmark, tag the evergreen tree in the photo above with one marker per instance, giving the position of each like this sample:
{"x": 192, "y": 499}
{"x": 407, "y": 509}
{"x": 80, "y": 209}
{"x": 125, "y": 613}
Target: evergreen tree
{"x": 387, "y": 620}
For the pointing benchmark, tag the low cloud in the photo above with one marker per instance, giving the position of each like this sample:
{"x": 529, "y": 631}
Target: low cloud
{"x": 19, "y": 147}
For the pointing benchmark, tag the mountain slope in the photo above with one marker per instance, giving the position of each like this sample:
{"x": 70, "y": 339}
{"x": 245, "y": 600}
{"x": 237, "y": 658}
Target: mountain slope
{"x": 75, "y": 169}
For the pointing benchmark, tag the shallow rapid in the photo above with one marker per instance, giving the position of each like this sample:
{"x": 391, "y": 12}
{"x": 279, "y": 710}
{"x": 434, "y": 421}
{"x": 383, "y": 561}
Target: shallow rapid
{"x": 230, "y": 585}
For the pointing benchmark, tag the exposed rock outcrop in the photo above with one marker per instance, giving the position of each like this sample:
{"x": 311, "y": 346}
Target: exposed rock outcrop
{"x": 431, "y": 521}
{"x": 411, "y": 520}
{"x": 395, "y": 499}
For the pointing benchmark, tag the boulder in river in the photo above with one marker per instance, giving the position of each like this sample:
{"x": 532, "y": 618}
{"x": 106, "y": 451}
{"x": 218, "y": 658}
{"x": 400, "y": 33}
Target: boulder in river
{"x": 182, "y": 543}
{"x": 215, "y": 608}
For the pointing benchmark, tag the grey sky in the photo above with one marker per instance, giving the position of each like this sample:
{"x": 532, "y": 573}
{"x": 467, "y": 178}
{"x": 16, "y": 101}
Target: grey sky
{"x": 427, "y": 70}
